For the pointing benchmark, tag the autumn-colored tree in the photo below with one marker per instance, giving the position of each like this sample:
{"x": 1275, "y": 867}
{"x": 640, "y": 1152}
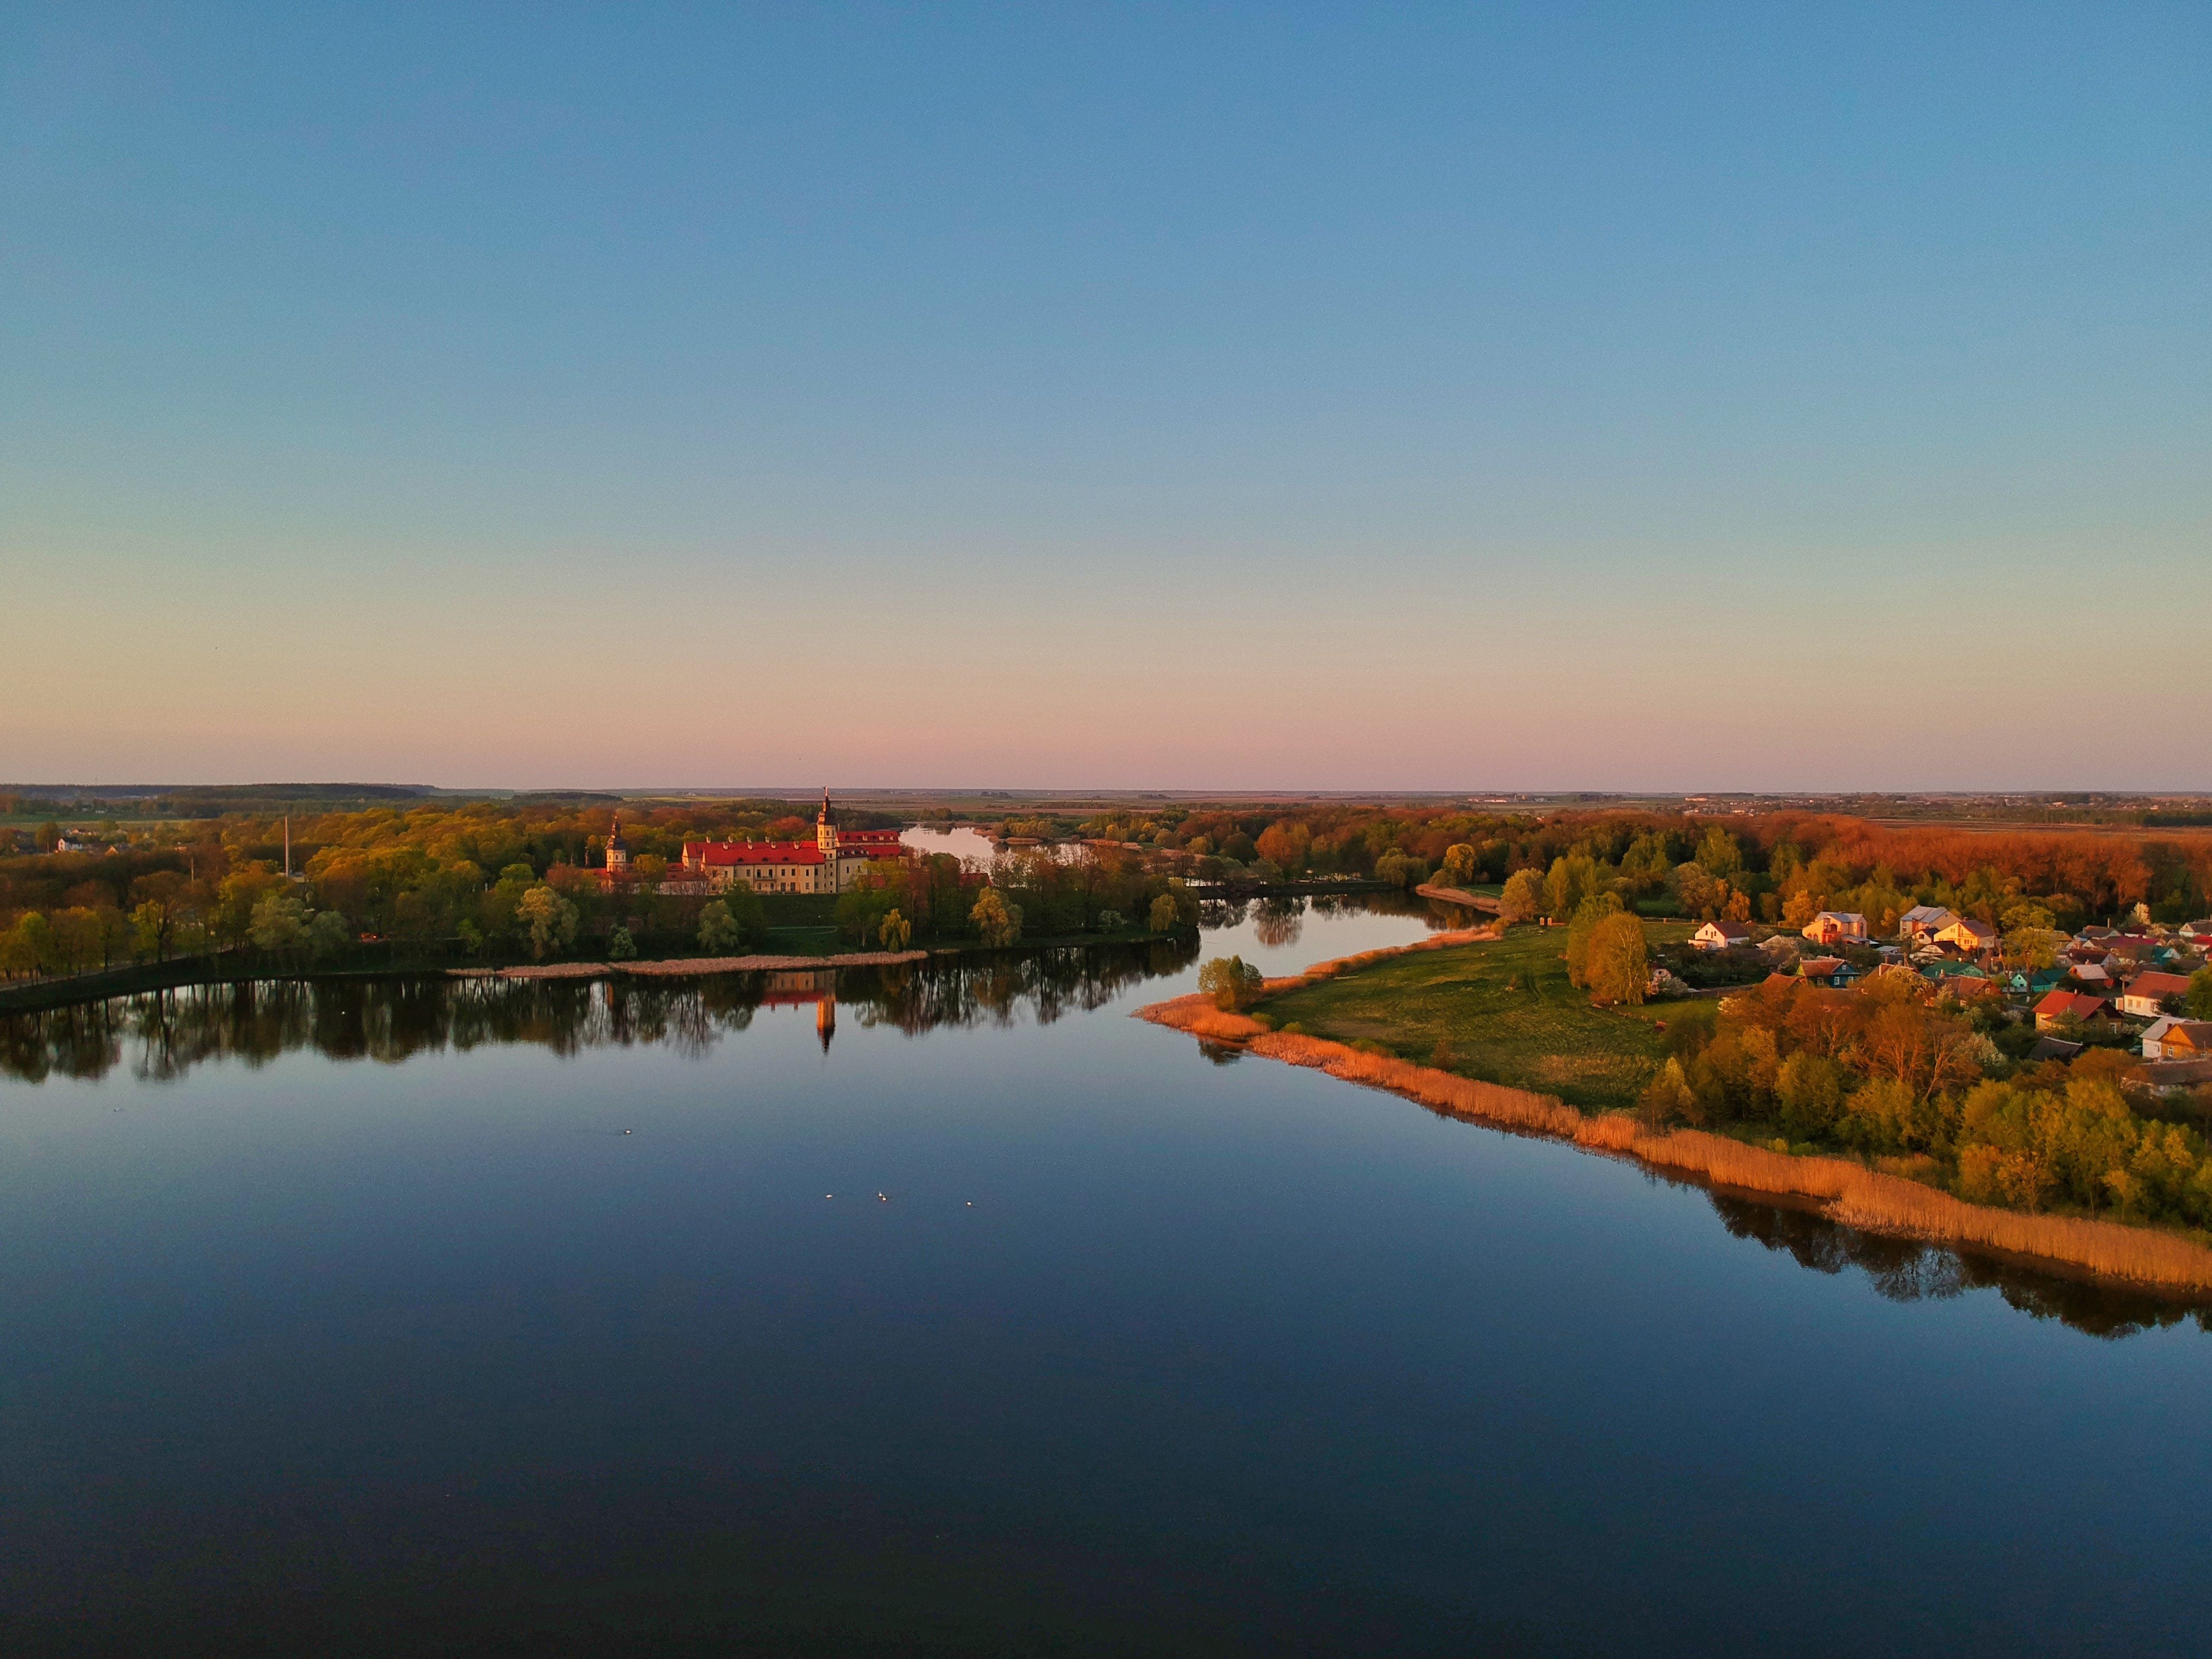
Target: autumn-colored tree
{"x": 278, "y": 923}
{"x": 997, "y": 923}
{"x": 1668, "y": 1097}
{"x": 1231, "y": 981}
{"x": 1619, "y": 966}
{"x": 545, "y": 920}
{"x": 1696, "y": 891}
{"x": 1524, "y": 898}
{"x": 896, "y": 933}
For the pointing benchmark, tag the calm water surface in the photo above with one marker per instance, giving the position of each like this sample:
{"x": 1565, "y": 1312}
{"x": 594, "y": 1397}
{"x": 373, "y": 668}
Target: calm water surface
{"x": 433, "y": 1318}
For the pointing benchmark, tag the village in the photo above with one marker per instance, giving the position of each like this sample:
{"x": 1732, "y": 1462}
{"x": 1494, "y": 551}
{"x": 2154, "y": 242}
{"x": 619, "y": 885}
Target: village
{"x": 2125, "y": 987}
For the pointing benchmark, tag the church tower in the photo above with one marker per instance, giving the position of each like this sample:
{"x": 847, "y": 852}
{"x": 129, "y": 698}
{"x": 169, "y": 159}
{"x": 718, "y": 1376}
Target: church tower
{"x": 617, "y": 849}
{"x": 825, "y": 834}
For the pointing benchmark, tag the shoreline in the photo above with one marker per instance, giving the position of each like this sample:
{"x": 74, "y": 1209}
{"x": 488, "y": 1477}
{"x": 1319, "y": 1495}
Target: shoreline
{"x": 685, "y": 967}
{"x": 178, "y": 973}
{"x": 1840, "y": 1190}
{"x": 1461, "y": 897}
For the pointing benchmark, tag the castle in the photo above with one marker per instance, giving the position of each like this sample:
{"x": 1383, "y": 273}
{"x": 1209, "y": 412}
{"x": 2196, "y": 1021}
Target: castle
{"x": 826, "y": 865}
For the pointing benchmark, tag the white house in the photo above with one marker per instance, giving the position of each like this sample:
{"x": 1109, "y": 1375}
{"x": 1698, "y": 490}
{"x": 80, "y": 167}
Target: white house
{"x": 1923, "y": 921}
{"x": 1837, "y": 927}
{"x": 1720, "y": 935}
{"x": 2144, "y": 992}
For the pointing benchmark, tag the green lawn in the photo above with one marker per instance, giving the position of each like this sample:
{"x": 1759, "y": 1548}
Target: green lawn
{"x": 1504, "y": 1009}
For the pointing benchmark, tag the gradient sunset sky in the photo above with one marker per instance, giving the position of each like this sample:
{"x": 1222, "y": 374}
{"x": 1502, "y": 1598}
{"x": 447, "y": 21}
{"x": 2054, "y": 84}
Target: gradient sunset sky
{"x": 1631, "y": 397}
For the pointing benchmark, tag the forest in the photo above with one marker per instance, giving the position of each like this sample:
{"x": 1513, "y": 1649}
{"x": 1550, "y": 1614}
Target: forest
{"x": 1880, "y": 1071}
{"x": 519, "y": 875}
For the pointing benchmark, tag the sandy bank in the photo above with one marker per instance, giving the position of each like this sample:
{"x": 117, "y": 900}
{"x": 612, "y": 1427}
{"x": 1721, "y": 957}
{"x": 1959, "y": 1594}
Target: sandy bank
{"x": 1843, "y": 1191}
{"x": 1459, "y": 896}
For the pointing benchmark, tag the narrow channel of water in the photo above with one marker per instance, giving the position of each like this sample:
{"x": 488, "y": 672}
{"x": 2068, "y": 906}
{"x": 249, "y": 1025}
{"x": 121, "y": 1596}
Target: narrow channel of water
{"x": 971, "y": 1315}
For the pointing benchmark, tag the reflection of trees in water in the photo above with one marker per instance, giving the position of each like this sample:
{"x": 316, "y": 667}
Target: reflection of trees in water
{"x": 1903, "y": 1270}
{"x": 165, "y": 1033}
{"x": 1220, "y": 913}
{"x": 1277, "y": 922}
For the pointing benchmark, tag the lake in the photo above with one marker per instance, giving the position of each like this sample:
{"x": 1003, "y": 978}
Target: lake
{"x": 973, "y": 1316}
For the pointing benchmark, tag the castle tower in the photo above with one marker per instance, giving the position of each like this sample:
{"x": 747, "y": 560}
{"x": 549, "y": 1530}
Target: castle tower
{"x": 825, "y": 832}
{"x": 617, "y": 849}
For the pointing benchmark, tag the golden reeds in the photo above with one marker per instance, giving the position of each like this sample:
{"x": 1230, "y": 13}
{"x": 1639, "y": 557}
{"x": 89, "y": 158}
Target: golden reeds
{"x": 1847, "y": 1193}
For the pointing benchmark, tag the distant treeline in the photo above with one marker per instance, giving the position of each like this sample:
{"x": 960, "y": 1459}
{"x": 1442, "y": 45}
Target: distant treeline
{"x": 436, "y": 869}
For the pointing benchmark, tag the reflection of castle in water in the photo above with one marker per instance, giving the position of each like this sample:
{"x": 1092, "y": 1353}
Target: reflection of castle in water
{"x": 168, "y": 1033}
{"x": 795, "y": 989}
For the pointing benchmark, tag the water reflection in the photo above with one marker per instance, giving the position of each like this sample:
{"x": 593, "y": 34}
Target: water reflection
{"x": 1904, "y": 1270}
{"x": 158, "y": 1037}
{"x": 1278, "y": 922}
{"x": 163, "y": 1034}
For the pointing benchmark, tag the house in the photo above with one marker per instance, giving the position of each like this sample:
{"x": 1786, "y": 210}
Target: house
{"x": 2090, "y": 974}
{"x": 1923, "y": 922}
{"x": 2186, "y": 1039}
{"x": 2061, "y": 1006}
{"x": 2198, "y": 933}
{"x": 828, "y": 864}
{"x": 1827, "y": 971}
{"x": 2022, "y": 982}
{"x": 1721, "y": 935}
{"x": 1837, "y": 927}
{"x": 1971, "y": 938}
{"x": 2052, "y": 1048}
{"x": 2153, "y": 1037}
{"x": 2143, "y": 995}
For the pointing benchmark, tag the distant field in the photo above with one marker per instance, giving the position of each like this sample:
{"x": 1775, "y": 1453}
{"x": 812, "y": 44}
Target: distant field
{"x": 1506, "y": 1011}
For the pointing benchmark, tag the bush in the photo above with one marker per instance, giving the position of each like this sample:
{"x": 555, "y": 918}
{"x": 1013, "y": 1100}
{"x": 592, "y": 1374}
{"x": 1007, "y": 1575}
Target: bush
{"x": 718, "y": 931}
{"x": 1231, "y": 981}
{"x": 620, "y": 947}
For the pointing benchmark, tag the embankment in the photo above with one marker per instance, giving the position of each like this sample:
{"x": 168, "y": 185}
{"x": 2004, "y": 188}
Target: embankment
{"x": 685, "y": 967}
{"x": 1845, "y": 1192}
{"x": 1460, "y": 895}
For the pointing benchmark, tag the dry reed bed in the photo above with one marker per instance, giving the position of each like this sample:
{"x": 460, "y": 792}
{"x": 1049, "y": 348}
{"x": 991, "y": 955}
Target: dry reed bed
{"x": 1847, "y": 1193}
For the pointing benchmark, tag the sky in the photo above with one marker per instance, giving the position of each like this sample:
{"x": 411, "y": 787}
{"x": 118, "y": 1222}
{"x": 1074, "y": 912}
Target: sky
{"x": 1630, "y": 397}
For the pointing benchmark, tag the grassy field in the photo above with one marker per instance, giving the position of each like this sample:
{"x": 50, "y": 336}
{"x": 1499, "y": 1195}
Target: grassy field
{"x": 1504, "y": 1013}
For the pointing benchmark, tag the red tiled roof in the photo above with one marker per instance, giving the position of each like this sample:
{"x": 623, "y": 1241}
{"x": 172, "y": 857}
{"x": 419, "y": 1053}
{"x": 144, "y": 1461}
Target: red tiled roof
{"x": 2057, "y": 1004}
{"x": 720, "y": 853}
{"x": 2159, "y": 985}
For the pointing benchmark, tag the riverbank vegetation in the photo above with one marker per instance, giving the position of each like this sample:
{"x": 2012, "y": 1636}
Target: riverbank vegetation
{"x": 1505, "y": 1012}
{"x": 1892, "y": 1074}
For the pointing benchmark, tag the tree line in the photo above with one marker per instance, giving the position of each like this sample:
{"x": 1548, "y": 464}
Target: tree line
{"x": 1922, "y": 1087}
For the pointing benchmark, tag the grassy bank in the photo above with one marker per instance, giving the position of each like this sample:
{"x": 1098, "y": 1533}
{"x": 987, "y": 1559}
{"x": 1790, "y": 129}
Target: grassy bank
{"x": 1500, "y": 1017}
{"x": 1500, "y": 1012}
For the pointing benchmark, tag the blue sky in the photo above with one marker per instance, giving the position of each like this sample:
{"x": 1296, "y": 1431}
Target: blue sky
{"x": 1609, "y": 397}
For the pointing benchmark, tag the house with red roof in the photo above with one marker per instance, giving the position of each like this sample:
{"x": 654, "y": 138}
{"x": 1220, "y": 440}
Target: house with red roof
{"x": 2060, "y": 1005}
{"x": 2143, "y": 995}
{"x": 828, "y": 864}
